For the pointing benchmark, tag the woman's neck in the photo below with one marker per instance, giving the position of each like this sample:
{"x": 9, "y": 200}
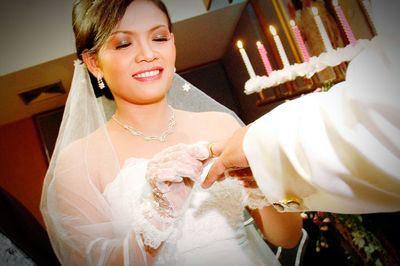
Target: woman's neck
{"x": 148, "y": 118}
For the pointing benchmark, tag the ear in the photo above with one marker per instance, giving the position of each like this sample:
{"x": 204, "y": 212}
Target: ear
{"x": 91, "y": 63}
{"x": 173, "y": 37}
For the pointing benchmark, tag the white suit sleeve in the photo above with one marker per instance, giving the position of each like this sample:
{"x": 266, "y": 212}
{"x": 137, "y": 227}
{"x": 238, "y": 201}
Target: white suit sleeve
{"x": 337, "y": 151}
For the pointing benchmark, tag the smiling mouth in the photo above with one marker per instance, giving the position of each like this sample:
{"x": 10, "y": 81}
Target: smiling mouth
{"x": 147, "y": 74}
{"x": 150, "y": 74}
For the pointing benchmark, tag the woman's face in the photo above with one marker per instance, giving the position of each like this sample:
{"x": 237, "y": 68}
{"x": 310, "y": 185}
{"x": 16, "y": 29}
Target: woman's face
{"x": 138, "y": 59}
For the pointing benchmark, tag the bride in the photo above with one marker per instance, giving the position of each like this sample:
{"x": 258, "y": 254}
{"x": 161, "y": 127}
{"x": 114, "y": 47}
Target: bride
{"x": 123, "y": 187}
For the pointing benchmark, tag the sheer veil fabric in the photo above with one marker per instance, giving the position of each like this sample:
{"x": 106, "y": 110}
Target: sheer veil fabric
{"x": 78, "y": 217}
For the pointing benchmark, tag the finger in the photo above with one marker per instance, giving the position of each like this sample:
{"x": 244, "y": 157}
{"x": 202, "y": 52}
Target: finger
{"x": 216, "y": 148}
{"x": 162, "y": 187}
{"x": 239, "y": 172}
{"x": 181, "y": 160}
{"x": 188, "y": 182}
{"x": 176, "y": 168}
{"x": 162, "y": 154}
{"x": 199, "y": 151}
{"x": 168, "y": 177}
{"x": 250, "y": 184}
{"x": 216, "y": 173}
{"x": 245, "y": 178}
{"x": 175, "y": 155}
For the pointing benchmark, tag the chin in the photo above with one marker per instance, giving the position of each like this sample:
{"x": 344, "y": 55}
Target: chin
{"x": 150, "y": 97}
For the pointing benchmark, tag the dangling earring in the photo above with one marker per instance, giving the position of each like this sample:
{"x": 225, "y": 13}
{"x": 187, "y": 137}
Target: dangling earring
{"x": 100, "y": 82}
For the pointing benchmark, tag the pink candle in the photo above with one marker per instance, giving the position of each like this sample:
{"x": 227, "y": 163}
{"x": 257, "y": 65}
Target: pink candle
{"x": 343, "y": 21}
{"x": 264, "y": 57}
{"x": 300, "y": 41}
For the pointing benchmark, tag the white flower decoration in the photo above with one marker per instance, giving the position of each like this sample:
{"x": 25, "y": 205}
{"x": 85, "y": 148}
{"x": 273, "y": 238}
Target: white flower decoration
{"x": 186, "y": 87}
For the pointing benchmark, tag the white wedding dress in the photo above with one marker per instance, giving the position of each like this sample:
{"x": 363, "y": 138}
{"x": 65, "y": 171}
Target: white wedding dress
{"x": 211, "y": 230}
{"x": 95, "y": 211}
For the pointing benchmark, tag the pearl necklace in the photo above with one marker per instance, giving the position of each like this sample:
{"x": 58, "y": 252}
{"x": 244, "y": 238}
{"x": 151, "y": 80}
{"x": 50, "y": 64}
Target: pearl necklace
{"x": 135, "y": 132}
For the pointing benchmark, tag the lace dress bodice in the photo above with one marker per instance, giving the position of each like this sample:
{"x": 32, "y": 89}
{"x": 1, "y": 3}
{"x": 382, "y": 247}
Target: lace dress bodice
{"x": 209, "y": 232}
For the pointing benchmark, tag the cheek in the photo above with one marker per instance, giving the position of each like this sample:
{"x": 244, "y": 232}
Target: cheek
{"x": 170, "y": 54}
{"x": 173, "y": 55}
{"x": 114, "y": 68}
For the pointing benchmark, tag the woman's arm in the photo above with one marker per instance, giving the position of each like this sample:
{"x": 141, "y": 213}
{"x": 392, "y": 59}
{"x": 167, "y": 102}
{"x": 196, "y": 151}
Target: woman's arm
{"x": 279, "y": 229}
{"x": 79, "y": 219}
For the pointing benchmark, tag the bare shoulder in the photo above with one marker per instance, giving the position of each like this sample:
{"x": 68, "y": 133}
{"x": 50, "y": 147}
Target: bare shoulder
{"x": 68, "y": 155}
{"x": 221, "y": 119}
{"x": 72, "y": 154}
{"x": 211, "y": 125}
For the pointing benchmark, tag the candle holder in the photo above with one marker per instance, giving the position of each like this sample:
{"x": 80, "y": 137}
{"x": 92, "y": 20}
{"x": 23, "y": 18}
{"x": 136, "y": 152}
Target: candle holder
{"x": 304, "y": 72}
{"x": 307, "y": 70}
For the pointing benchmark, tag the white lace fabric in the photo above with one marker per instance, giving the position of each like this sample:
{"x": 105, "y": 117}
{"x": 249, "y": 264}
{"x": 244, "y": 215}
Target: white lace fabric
{"x": 255, "y": 199}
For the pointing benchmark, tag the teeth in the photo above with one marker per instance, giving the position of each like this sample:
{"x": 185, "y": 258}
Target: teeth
{"x": 147, "y": 74}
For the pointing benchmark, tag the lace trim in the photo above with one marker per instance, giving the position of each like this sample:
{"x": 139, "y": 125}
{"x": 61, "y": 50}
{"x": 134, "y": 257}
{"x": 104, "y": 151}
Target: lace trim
{"x": 153, "y": 227}
{"x": 255, "y": 199}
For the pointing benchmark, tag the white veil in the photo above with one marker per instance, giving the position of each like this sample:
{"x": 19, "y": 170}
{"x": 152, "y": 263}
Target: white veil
{"x": 77, "y": 217}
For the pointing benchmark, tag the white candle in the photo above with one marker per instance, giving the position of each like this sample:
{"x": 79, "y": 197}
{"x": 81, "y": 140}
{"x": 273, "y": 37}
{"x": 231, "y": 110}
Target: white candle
{"x": 321, "y": 29}
{"x": 279, "y": 46}
{"x": 246, "y": 60}
{"x": 345, "y": 24}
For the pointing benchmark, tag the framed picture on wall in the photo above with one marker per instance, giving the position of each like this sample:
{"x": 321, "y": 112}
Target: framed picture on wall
{"x": 47, "y": 125}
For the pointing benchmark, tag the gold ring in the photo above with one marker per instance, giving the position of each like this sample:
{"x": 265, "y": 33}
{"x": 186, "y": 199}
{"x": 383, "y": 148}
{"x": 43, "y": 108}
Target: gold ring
{"x": 210, "y": 149}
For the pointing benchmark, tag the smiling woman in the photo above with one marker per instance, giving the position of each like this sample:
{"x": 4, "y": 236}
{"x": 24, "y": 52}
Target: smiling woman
{"x": 126, "y": 190}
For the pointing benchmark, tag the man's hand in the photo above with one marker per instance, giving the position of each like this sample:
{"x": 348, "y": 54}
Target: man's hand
{"x": 231, "y": 156}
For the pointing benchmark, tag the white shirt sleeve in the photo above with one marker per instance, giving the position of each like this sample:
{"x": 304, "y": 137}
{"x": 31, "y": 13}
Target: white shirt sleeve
{"x": 337, "y": 151}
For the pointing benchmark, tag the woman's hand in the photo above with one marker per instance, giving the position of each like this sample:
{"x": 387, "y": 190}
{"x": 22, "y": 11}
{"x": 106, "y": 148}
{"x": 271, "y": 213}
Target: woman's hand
{"x": 171, "y": 173}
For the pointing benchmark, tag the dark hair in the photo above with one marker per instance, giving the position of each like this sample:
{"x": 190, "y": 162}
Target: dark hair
{"x": 93, "y": 22}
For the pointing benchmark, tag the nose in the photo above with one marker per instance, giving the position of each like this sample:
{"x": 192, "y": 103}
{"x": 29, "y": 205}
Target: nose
{"x": 145, "y": 52}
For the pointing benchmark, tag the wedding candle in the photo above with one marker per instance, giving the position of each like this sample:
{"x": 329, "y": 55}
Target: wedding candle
{"x": 246, "y": 60}
{"x": 280, "y": 48}
{"x": 300, "y": 41}
{"x": 321, "y": 29}
{"x": 264, "y": 57}
{"x": 343, "y": 21}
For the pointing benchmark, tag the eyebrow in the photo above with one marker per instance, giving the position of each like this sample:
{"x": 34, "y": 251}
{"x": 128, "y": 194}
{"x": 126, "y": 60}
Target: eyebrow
{"x": 130, "y": 32}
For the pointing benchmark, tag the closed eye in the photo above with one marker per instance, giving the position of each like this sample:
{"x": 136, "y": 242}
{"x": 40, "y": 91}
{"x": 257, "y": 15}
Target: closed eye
{"x": 122, "y": 45}
{"x": 161, "y": 39}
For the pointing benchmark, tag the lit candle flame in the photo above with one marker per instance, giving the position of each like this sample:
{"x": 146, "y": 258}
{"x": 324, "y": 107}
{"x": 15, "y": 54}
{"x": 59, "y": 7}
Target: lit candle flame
{"x": 272, "y": 30}
{"x": 315, "y": 11}
{"x": 335, "y": 2}
{"x": 292, "y": 23}
{"x": 239, "y": 44}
